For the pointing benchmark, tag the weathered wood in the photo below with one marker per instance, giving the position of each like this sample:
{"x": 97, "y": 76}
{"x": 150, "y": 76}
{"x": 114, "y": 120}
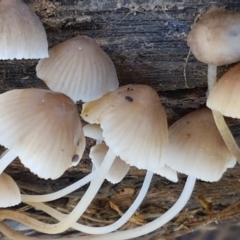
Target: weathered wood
{"x": 147, "y": 43}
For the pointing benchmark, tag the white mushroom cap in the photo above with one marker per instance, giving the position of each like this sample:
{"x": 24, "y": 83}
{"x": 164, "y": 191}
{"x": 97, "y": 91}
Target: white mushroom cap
{"x": 224, "y": 97}
{"x": 10, "y": 193}
{"x": 78, "y": 68}
{"x": 93, "y": 131}
{"x": 43, "y": 128}
{"x": 196, "y": 148}
{"x": 119, "y": 168}
{"x": 215, "y": 38}
{"x": 22, "y": 34}
{"x": 134, "y": 124}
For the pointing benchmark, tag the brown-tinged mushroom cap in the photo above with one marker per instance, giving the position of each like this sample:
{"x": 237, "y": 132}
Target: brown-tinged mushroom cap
{"x": 224, "y": 97}
{"x": 196, "y": 148}
{"x": 134, "y": 124}
{"x": 215, "y": 38}
{"x": 79, "y": 68}
{"x": 118, "y": 169}
{"x": 10, "y": 193}
{"x": 43, "y": 128}
{"x": 22, "y": 34}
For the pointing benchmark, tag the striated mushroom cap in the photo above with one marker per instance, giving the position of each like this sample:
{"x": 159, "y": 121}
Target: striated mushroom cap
{"x": 22, "y": 34}
{"x": 134, "y": 124}
{"x": 10, "y": 193}
{"x": 118, "y": 169}
{"x": 78, "y": 68}
{"x": 196, "y": 147}
{"x": 215, "y": 38}
{"x": 43, "y": 128}
{"x": 224, "y": 97}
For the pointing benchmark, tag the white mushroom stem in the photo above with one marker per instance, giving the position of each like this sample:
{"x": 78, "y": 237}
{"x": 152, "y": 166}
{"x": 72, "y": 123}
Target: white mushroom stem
{"x": 219, "y": 118}
{"x": 157, "y": 223}
{"x": 6, "y": 158}
{"x": 106, "y": 229}
{"x": 120, "y": 235}
{"x": 60, "y": 193}
{"x": 70, "y": 219}
{"x": 212, "y": 76}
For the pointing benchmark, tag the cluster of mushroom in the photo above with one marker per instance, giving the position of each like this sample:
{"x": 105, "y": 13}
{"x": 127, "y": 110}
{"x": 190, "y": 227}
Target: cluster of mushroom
{"x": 128, "y": 123}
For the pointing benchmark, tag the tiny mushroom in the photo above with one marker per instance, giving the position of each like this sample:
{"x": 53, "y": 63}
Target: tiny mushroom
{"x": 192, "y": 151}
{"x": 214, "y": 40}
{"x": 78, "y": 68}
{"x": 224, "y": 100}
{"x": 43, "y": 129}
{"x": 22, "y": 33}
{"x": 118, "y": 169}
{"x": 224, "y": 97}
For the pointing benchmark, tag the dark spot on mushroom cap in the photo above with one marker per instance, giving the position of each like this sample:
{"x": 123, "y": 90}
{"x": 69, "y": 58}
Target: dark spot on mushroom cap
{"x": 129, "y": 98}
{"x": 75, "y": 158}
{"x": 129, "y": 89}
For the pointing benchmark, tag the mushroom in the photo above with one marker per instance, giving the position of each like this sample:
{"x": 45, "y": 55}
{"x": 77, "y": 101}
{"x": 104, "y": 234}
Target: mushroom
{"x": 78, "y": 68}
{"x": 224, "y": 97}
{"x": 192, "y": 151}
{"x": 130, "y": 111}
{"x": 10, "y": 193}
{"x": 223, "y": 100}
{"x": 40, "y": 126}
{"x": 22, "y": 33}
{"x": 118, "y": 169}
{"x": 214, "y": 40}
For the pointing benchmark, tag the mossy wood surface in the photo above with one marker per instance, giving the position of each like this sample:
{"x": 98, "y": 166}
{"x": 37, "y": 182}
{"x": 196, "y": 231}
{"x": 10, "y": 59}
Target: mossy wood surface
{"x": 147, "y": 42}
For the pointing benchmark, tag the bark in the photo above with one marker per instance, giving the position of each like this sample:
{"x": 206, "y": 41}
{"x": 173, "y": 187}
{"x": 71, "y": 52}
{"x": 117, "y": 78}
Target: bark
{"x": 147, "y": 42}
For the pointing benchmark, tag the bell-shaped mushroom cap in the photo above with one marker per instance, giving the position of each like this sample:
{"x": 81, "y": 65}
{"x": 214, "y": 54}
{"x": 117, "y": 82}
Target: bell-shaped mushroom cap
{"x": 134, "y": 124}
{"x": 196, "y": 148}
{"x": 22, "y": 34}
{"x": 215, "y": 38}
{"x": 10, "y": 193}
{"x": 43, "y": 128}
{"x": 118, "y": 169}
{"x": 224, "y": 97}
{"x": 78, "y": 68}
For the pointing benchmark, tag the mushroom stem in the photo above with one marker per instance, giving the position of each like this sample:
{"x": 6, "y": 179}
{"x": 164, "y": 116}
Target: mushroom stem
{"x": 6, "y": 158}
{"x": 212, "y": 76}
{"x": 106, "y": 229}
{"x": 157, "y": 223}
{"x": 226, "y": 134}
{"x": 60, "y": 193}
{"x": 219, "y": 119}
{"x": 70, "y": 219}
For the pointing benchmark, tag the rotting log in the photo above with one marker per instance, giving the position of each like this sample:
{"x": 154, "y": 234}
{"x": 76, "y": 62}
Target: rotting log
{"x": 147, "y": 42}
